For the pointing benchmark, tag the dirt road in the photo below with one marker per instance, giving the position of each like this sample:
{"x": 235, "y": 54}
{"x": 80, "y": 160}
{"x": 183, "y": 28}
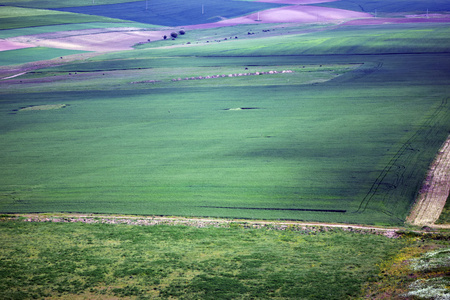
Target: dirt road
{"x": 434, "y": 192}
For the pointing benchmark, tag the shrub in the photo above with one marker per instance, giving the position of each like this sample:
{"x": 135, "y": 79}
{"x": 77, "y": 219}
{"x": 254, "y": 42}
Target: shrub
{"x": 174, "y": 34}
{"x": 181, "y": 32}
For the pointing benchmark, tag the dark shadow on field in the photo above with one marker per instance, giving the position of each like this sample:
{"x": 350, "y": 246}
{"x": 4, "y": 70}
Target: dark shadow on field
{"x": 174, "y": 12}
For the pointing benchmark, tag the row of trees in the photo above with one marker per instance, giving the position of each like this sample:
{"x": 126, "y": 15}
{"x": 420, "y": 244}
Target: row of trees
{"x": 174, "y": 34}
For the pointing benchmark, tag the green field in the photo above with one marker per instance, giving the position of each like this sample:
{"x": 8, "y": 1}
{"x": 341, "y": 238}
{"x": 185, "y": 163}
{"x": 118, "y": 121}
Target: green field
{"x": 27, "y": 55}
{"x": 172, "y": 150}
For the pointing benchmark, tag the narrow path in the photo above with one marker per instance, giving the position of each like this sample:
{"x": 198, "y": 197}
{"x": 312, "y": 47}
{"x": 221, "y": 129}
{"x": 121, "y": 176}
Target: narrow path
{"x": 13, "y": 76}
{"x": 434, "y": 192}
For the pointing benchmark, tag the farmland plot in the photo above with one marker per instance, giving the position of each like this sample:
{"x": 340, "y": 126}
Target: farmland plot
{"x": 345, "y": 151}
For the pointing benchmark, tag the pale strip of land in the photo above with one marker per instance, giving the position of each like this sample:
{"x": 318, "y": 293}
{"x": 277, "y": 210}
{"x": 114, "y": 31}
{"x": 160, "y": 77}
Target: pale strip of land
{"x": 390, "y": 232}
{"x": 435, "y": 190}
{"x": 14, "y": 76}
{"x": 6, "y": 45}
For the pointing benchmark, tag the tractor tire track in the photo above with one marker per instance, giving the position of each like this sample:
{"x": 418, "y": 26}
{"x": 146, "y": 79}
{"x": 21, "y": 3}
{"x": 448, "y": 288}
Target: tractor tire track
{"x": 392, "y": 167}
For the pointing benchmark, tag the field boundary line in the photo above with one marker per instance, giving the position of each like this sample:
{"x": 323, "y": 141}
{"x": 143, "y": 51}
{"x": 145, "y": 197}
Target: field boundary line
{"x": 434, "y": 192}
{"x": 201, "y": 222}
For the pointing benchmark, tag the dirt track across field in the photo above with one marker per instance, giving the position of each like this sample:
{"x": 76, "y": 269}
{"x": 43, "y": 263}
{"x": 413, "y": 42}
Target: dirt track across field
{"x": 434, "y": 192}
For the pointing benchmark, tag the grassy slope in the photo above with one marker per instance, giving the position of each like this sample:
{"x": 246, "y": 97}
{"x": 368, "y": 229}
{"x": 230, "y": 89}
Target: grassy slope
{"x": 21, "y": 56}
{"x": 60, "y": 260}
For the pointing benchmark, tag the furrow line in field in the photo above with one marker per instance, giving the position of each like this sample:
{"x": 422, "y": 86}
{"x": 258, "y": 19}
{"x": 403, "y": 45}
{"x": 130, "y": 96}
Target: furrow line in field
{"x": 395, "y": 158}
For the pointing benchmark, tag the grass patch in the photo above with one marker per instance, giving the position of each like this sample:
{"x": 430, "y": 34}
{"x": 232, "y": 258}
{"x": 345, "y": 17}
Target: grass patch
{"x": 418, "y": 271}
{"x": 445, "y": 215}
{"x": 61, "y": 260}
{"x": 21, "y": 56}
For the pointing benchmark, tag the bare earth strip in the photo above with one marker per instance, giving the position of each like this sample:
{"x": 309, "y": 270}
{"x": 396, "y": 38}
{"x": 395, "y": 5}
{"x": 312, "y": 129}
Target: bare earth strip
{"x": 11, "y": 45}
{"x": 434, "y": 192}
{"x": 205, "y": 222}
{"x": 99, "y": 40}
{"x": 43, "y": 107}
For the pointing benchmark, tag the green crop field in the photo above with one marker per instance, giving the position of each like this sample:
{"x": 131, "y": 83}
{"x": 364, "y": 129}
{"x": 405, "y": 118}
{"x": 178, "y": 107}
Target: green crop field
{"x": 161, "y": 148}
{"x": 26, "y": 55}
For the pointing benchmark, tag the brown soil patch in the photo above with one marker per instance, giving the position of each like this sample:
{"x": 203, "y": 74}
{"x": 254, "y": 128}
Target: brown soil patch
{"x": 10, "y": 45}
{"x": 98, "y": 40}
{"x": 44, "y": 107}
{"x": 435, "y": 190}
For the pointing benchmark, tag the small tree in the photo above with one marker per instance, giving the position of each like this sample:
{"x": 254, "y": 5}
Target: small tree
{"x": 181, "y": 32}
{"x": 165, "y": 37}
{"x": 174, "y": 34}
